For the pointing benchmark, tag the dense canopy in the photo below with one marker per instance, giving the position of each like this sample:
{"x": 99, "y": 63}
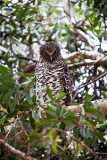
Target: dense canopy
{"x": 80, "y": 29}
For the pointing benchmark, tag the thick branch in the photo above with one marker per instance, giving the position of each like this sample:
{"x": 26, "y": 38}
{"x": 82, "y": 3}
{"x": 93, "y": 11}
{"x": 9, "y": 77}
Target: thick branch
{"x": 100, "y": 58}
{"x": 86, "y": 37}
{"x": 29, "y": 69}
{"x": 102, "y": 106}
{"x": 15, "y": 151}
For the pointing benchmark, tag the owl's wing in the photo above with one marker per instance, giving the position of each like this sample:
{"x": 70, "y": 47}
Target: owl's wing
{"x": 67, "y": 83}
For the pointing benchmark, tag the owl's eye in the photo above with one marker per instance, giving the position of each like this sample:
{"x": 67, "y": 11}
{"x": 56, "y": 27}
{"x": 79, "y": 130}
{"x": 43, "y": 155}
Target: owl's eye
{"x": 55, "y": 52}
{"x": 45, "y": 53}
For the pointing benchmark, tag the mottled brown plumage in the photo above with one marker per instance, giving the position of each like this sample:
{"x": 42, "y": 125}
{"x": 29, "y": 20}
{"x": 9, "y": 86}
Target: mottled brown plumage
{"x": 52, "y": 70}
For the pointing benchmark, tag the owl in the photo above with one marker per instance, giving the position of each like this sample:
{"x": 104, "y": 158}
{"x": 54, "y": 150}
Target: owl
{"x": 53, "y": 71}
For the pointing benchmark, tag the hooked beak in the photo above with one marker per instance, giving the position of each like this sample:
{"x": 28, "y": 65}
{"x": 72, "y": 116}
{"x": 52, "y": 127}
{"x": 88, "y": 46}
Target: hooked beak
{"x": 51, "y": 58}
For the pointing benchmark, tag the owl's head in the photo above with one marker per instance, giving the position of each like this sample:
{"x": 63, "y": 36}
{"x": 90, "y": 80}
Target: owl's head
{"x": 50, "y": 51}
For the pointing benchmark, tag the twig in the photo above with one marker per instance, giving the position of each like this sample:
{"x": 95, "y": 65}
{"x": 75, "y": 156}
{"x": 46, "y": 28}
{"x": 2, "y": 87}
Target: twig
{"x": 21, "y": 57}
{"x": 78, "y": 141}
{"x": 102, "y": 75}
{"x": 27, "y": 3}
{"x": 10, "y": 128}
{"x": 44, "y": 24}
{"x": 27, "y": 58}
{"x": 101, "y": 153}
{"x": 2, "y": 15}
{"x": 54, "y": 155}
{"x": 17, "y": 134}
{"x": 82, "y": 64}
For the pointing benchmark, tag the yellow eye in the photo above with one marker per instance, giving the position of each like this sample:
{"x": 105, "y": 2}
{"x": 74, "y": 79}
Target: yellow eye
{"x": 45, "y": 53}
{"x": 56, "y": 51}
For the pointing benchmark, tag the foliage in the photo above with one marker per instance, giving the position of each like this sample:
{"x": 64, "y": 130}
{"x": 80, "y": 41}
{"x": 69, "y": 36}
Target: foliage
{"x": 24, "y": 24}
{"x": 27, "y": 23}
{"x": 46, "y": 131}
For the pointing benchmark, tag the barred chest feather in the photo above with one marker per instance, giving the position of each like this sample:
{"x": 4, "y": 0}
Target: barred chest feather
{"x": 51, "y": 75}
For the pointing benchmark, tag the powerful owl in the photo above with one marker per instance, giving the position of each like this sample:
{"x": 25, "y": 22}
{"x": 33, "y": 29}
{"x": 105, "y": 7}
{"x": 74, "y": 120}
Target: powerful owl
{"x": 52, "y": 70}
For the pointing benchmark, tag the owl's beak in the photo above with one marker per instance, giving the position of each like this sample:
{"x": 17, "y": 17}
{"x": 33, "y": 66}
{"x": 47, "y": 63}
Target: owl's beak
{"x": 51, "y": 58}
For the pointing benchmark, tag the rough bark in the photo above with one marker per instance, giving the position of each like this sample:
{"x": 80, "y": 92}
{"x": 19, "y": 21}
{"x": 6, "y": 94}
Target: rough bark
{"x": 101, "y": 59}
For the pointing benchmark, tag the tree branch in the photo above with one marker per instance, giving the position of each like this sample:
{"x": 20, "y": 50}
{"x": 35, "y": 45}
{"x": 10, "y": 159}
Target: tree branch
{"x": 16, "y": 151}
{"x": 45, "y": 24}
{"x": 94, "y": 80}
{"x": 86, "y": 37}
{"x": 78, "y": 141}
{"x": 21, "y": 57}
{"x": 29, "y": 69}
{"x": 102, "y": 106}
{"x": 76, "y": 65}
{"x": 100, "y": 58}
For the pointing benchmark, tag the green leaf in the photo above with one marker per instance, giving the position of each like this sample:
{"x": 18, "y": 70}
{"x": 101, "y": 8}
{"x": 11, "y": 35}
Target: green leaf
{"x": 26, "y": 74}
{"x": 1, "y": 98}
{"x": 101, "y": 125}
{"x": 28, "y": 83}
{"x": 101, "y": 117}
{"x": 2, "y": 119}
{"x": 3, "y": 89}
{"x": 28, "y": 98}
{"x": 54, "y": 146}
{"x": 32, "y": 139}
{"x": 7, "y": 96}
{"x": 32, "y": 133}
{"x": 68, "y": 29}
{"x": 41, "y": 100}
{"x": 38, "y": 115}
{"x": 9, "y": 83}
{"x": 10, "y": 114}
{"x": 4, "y": 70}
{"x": 99, "y": 135}
{"x": 24, "y": 106}
{"x": 32, "y": 122}
{"x": 7, "y": 80}
{"x": 49, "y": 92}
{"x": 13, "y": 129}
{"x": 52, "y": 114}
{"x": 12, "y": 105}
{"x": 25, "y": 125}
{"x": 91, "y": 110}
{"x": 74, "y": 104}
{"x": 51, "y": 132}
{"x": 67, "y": 121}
{"x": 61, "y": 90}
{"x": 60, "y": 96}
{"x": 95, "y": 104}
{"x": 96, "y": 21}
{"x": 3, "y": 49}
{"x": 82, "y": 56}
{"x": 88, "y": 102}
{"x": 83, "y": 111}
